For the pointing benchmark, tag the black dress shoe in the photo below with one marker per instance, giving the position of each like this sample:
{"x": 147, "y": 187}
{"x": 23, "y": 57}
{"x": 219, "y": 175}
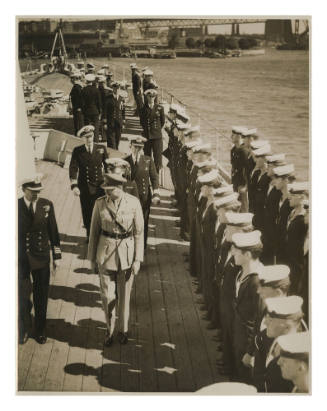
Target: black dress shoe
{"x": 123, "y": 338}
{"x": 41, "y": 339}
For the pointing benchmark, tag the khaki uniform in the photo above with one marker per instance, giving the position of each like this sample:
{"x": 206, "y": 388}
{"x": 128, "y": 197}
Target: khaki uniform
{"x": 115, "y": 256}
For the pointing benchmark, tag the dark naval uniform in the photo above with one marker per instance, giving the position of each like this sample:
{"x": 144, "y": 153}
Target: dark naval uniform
{"x": 37, "y": 235}
{"x": 137, "y": 90}
{"x": 238, "y": 162}
{"x": 92, "y": 108}
{"x": 85, "y": 172}
{"x": 152, "y": 121}
{"x": 252, "y": 186}
{"x": 284, "y": 211}
{"x": 115, "y": 112}
{"x": 269, "y": 238}
{"x": 260, "y": 196}
{"x": 76, "y": 99}
{"x": 145, "y": 175}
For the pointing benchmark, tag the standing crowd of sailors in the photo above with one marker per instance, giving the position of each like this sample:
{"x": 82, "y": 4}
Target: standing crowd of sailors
{"x": 248, "y": 253}
{"x": 248, "y": 240}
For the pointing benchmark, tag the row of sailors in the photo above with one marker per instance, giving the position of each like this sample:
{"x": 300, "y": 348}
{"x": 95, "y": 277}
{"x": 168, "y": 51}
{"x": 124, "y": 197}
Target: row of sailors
{"x": 228, "y": 249}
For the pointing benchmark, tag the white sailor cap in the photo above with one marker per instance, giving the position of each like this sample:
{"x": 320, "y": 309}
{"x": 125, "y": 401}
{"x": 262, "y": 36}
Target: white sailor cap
{"x": 148, "y": 72}
{"x": 76, "y": 74}
{"x": 202, "y": 148}
{"x": 295, "y": 345}
{"x": 274, "y": 275}
{"x": 208, "y": 177}
{"x": 151, "y": 91}
{"x": 239, "y": 219}
{"x": 276, "y": 158}
{"x": 33, "y": 183}
{"x": 193, "y": 143}
{"x": 86, "y": 131}
{"x": 105, "y": 66}
{"x": 249, "y": 132}
{"x": 101, "y": 79}
{"x": 258, "y": 144}
{"x": 182, "y": 115}
{"x": 226, "y": 200}
{"x": 238, "y": 129}
{"x": 227, "y": 388}
{"x": 181, "y": 126}
{"x": 263, "y": 151}
{"x": 133, "y": 65}
{"x": 90, "y": 65}
{"x": 191, "y": 130}
{"x": 173, "y": 107}
{"x": 117, "y": 162}
{"x": 299, "y": 187}
{"x": 206, "y": 164}
{"x": 89, "y": 78}
{"x": 101, "y": 72}
{"x": 285, "y": 307}
{"x": 223, "y": 190}
{"x": 247, "y": 240}
{"x": 282, "y": 171}
{"x": 137, "y": 140}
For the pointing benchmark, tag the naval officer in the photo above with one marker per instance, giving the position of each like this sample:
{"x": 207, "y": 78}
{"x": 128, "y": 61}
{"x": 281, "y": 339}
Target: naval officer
{"x": 117, "y": 246}
{"x": 85, "y": 173}
{"x": 92, "y": 104}
{"x": 37, "y": 235}
{"x": 144, "y": 173}
{"x": 152, "y": 120}
{"x": 76, "y": 101}
{"x": 115, "y": 116}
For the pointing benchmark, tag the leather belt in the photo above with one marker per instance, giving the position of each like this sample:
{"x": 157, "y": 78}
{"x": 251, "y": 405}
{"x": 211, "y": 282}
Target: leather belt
{"x": 116, "y": 236}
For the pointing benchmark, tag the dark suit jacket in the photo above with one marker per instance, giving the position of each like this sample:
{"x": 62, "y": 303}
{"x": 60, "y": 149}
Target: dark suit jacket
{"x": 115, "y": 110}
{"x": 36, "y": 236}
{"x": 91, "y": 100}
{"x": 76, "y": 97}
{"x": 85, "y": 169}
{"x": 152, "y": 121}
{"x": 145, "y": 175}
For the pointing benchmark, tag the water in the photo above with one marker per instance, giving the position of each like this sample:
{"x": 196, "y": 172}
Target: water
{"x": 269, "y": 92}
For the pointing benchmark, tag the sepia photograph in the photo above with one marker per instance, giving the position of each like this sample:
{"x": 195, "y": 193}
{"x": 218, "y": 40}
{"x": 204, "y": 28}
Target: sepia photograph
{"x": 163, "y": 195}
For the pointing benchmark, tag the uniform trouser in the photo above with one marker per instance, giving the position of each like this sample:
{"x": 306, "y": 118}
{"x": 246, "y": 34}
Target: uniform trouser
{"x": 115, "y": 291}
{"x": 268, "y": 256}
{"x": 146, "y": 215}
{"x": 138, "y": 101}
{"x": 24, "y": 304}
{"x": 113, "y": 134}
{"x": 154, "y": 146}
{"x": 87, "y": 203}
{"x": 226, "y": 322}
{"x": 243, "y": 198}
{"x": 40, "y": 287}
{"x": 78, "y": 120}
{"x": 94, "y": 120}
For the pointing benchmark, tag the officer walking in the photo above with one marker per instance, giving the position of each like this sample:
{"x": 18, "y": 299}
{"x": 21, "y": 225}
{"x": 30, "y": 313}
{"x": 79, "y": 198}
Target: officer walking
{"x": 37, "y": 234}
{"x": 91, "y": 104}
{"x": 85, "y": 173}
{"x": 76, "y": 101}
{"x": 116, "y": 245}
{"x": 144, "y": 173}
{"x": 152, "y": 120}
{"x": 137, "y": 87}
{"x": 115, "y": 116}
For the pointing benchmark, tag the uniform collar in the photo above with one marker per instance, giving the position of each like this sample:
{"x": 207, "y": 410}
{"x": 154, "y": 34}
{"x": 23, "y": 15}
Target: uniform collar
{"x": 29, "y": 202}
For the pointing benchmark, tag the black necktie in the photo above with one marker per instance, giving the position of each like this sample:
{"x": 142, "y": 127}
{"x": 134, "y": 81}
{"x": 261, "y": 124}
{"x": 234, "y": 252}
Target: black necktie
{"x": 31, "y": 209}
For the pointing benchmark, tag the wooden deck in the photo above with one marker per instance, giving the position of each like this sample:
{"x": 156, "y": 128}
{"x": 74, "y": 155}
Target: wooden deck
{"x": 170, "y": 348}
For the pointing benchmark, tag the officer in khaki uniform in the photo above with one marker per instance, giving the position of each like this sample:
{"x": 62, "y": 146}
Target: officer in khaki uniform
{"x": 116, "y": 245}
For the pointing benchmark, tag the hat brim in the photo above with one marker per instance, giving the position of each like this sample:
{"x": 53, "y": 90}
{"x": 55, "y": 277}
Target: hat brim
{"x": 113, "y": 181}
{"x": 32, "y": 188}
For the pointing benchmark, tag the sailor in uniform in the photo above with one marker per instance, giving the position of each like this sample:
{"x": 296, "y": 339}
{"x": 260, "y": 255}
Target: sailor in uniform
{"x": 37, "y": 235}
{"x": 137, "y": 87}
{"x": 92, "y": 104}
{"x": 115, "y": 116}
{"x": 226, "y": 273}
{"x": 274, "y": 281}
{"x": 271, "y": 211}
{"x": 76, "y": 101}
{"x": 85, "y": 172}
{"x": 117, "y": 247}
{"x": 284, "y": 317}
{"x": 253, "y": 175}
{"x": 153, "y": 120}
{"x": 144, "y": 173}
{"x": 294, "y": 360}
{"x": 296, "y": 234}
{"x": 246, "y": 249}
{"x": 238, "y": 161}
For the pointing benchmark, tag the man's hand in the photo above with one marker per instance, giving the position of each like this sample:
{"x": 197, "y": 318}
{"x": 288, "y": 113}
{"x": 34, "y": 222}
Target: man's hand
{"x": 55, "y": 266}
{"x": 242, "y": 189}
{"x": 136, "y": 267}
{"x": 248, "y": 360}
{"x": 76, "y": 191}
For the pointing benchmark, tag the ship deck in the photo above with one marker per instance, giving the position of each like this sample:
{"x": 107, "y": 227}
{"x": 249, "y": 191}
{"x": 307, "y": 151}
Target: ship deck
{"x": 170, "y": 347}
